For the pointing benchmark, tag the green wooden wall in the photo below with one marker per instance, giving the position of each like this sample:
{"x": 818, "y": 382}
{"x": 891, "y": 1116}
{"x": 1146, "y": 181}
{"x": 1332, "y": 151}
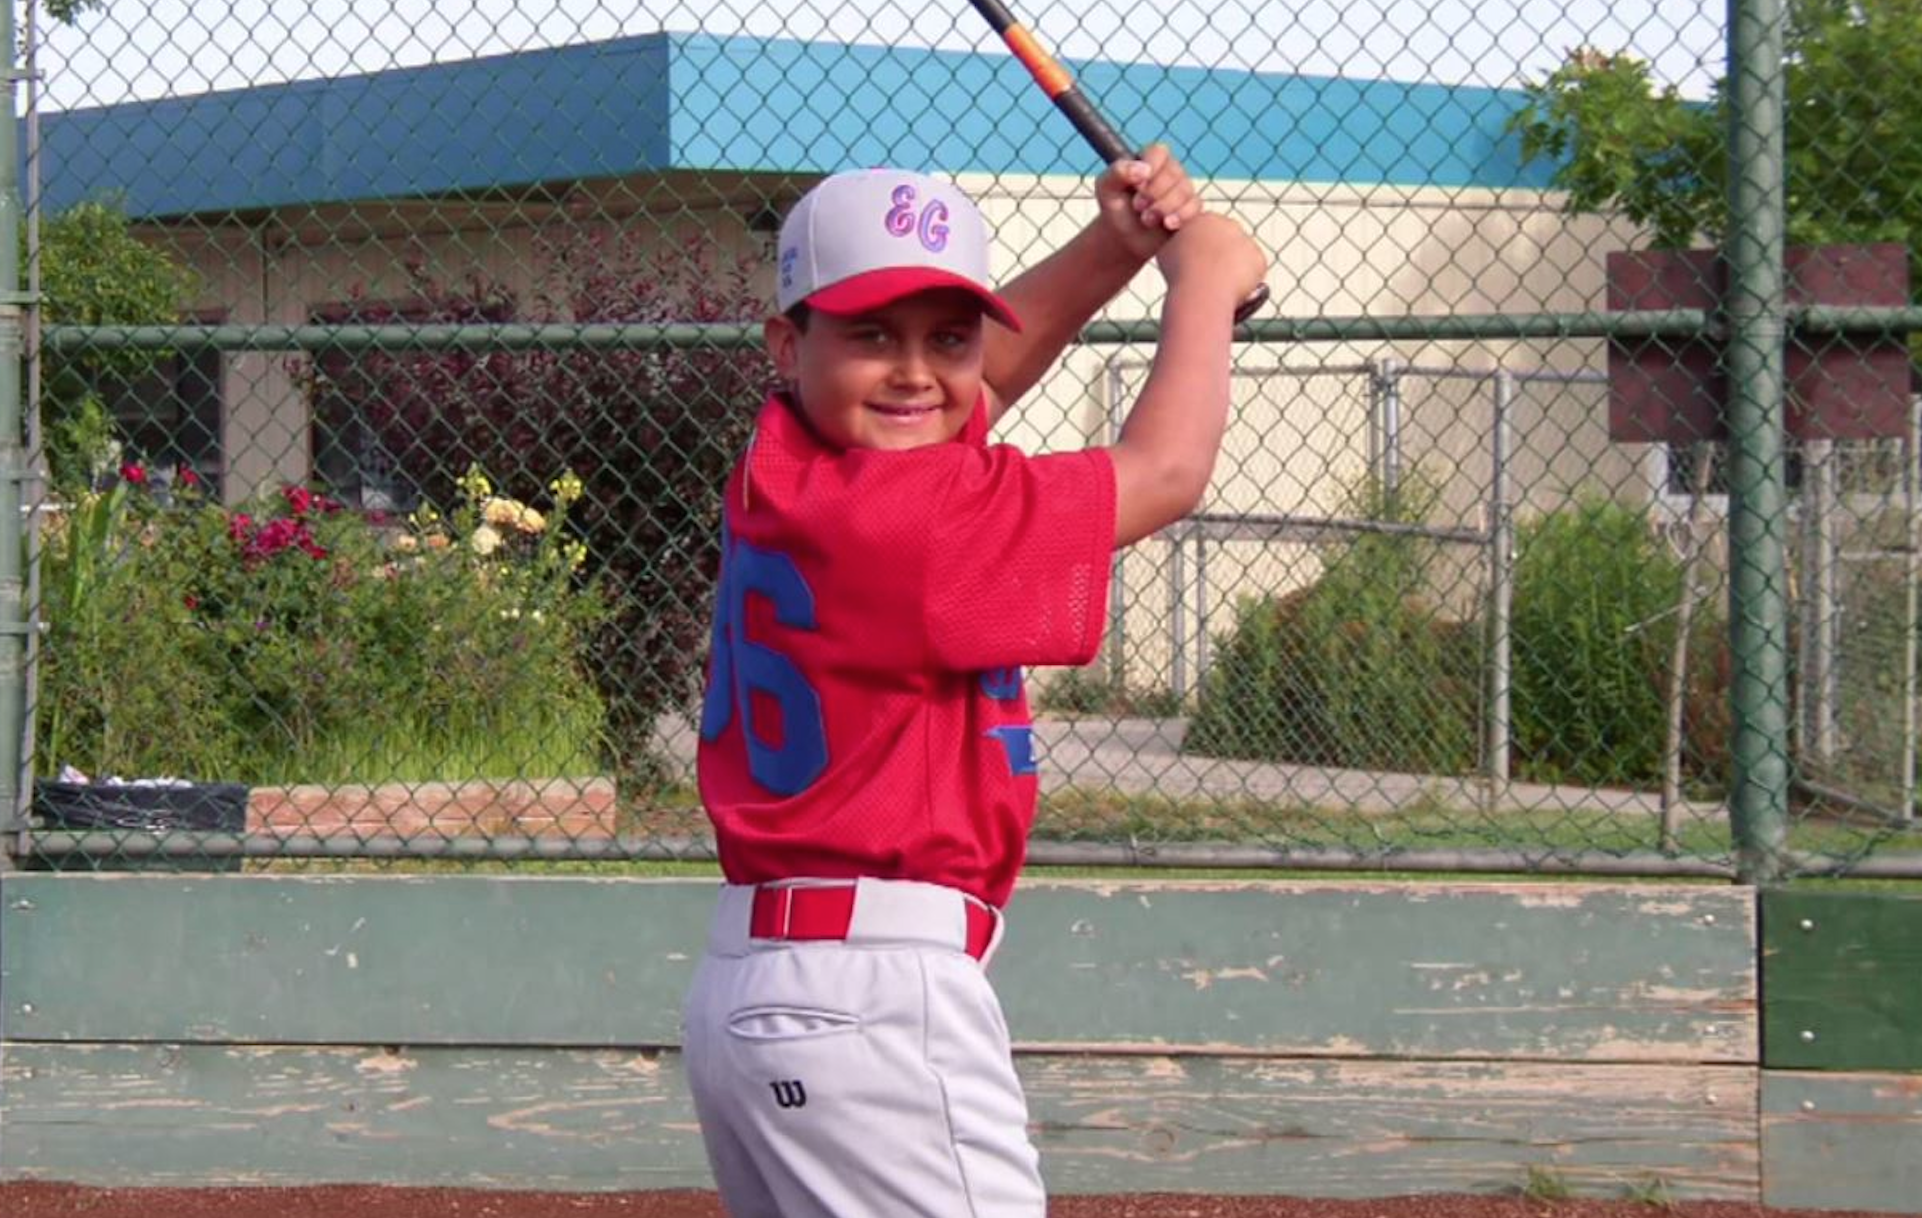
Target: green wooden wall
{"x": 1330, "y": 1038}
{"x": 1842, "y": 1047}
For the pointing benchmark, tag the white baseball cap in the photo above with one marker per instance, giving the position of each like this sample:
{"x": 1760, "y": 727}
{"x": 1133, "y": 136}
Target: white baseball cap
{"x": 864, "y": 238}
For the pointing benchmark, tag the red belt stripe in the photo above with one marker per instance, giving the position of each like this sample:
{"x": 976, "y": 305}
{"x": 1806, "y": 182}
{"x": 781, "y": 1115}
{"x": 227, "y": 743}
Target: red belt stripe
{"x": 826, "y": 912}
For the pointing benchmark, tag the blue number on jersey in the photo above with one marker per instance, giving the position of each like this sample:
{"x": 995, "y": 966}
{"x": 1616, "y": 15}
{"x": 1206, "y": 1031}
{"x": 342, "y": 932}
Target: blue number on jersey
{"x": 1001, "y": 684}
{"x": 741, "y": 667}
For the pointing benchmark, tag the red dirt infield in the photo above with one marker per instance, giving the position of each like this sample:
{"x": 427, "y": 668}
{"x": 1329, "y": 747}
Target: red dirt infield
{"x": 40, "y": 1200}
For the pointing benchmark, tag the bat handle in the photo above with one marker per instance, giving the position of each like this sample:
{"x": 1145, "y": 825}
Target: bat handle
{"x": 1100, "y": 134}
{"x": 1109, "y": 145}
{"x": 1252, "y": 303}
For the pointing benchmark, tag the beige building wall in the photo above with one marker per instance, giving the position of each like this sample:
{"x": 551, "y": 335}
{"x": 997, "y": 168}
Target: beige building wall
{"x": 1308, "y": 425}
{"x": 280, "y": 269}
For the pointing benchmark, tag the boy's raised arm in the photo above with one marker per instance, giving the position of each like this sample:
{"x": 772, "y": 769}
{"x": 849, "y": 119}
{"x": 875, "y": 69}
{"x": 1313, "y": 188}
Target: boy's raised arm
{"x": 1167, "y": 449}
{"x": 1142, "y": 203}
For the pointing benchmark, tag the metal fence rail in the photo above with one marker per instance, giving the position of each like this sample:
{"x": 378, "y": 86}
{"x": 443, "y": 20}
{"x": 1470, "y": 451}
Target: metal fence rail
{"x": 373, "y": 391}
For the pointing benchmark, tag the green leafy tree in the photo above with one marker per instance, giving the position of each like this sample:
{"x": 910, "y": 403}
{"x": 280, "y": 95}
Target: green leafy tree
{"x": 65, "y": 11}
{"x": 1853, "y": 138}
{"x": 95, "y": 272}
{"x": 1624, "y": 145}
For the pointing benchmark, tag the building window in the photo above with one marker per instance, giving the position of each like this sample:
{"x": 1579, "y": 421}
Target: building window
{"x": 353, "y": 460}
{"x": 1683, "y": 461}
{"x": 171, "y": 416}
{"x": 350, "y": 462}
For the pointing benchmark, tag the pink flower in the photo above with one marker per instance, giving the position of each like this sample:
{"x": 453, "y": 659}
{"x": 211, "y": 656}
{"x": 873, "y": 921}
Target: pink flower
{"x": 186, "y": 476}
{"x": 133, "y": 474}
{"x": 299, "y": 498}
{"x": 257, "y": 545}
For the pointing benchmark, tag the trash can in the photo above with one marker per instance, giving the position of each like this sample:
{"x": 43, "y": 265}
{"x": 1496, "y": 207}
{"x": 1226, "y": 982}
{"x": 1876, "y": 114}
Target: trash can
{"x": 124, "y": 809}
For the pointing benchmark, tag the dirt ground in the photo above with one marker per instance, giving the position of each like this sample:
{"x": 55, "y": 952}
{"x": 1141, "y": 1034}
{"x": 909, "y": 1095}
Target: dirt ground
{"x": 30, "y": 1200}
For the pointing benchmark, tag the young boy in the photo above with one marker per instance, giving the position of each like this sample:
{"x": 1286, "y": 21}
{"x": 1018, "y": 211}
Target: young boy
{"x": 865, "y": 744}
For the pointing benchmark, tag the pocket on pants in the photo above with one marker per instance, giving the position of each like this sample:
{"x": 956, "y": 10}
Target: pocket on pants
{"x": 767, "y": 1023}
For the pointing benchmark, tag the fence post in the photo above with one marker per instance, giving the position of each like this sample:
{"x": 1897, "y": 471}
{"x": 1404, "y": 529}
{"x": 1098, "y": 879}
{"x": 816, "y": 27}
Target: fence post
{"x": 1201, "y": 609}
{"x": 1911, "y": 569}
{"x": 1758, "y": 621}
{"x": 1816, "y": 676}
{"x": 1387, "y": 423}
{"x": 1177, "y": 535}
{"x": 13, "y": 468}
{"x": 1501, "y": 584}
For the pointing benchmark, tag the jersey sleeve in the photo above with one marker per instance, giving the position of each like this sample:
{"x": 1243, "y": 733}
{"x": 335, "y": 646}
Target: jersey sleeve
{"x": 1018, "y": 560}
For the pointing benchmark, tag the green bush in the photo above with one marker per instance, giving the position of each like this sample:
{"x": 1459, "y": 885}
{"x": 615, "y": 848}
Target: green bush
{"x": 1089, "y": 691}
{"x": 95, "y": 272}
{"x": 289, "y": 640}
{"x": 1358, "y": 670}
{"x": 1592, "y": 636}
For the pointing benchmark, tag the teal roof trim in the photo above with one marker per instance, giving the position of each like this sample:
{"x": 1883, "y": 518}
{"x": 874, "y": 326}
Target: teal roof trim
{"x": 695, "y": 102}
{"x": 750, "y": 104}
{"x": 479, "y": 125}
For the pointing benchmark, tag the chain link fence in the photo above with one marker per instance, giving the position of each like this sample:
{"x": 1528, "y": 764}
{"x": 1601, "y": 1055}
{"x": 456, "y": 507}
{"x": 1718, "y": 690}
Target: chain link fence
{"x": 381, "y": 372}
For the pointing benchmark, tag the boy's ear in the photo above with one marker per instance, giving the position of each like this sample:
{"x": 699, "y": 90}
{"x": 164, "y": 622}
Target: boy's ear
{"x": 783, "y": 338}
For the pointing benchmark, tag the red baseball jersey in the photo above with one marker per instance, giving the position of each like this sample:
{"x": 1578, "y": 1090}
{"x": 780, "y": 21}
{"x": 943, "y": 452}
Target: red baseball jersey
{"x": 865, "y": 714}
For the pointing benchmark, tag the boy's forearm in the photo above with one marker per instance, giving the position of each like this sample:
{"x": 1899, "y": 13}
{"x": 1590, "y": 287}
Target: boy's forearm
{"x": 1054, "y": 299}
{"x": 1170, "y": 439}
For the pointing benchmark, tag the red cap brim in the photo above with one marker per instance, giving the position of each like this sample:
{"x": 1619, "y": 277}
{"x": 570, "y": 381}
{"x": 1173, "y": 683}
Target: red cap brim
{"x": 875, "y": 289}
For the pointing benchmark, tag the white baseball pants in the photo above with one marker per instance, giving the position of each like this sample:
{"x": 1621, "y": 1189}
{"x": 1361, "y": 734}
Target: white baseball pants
{"x": 870, "y": 1075}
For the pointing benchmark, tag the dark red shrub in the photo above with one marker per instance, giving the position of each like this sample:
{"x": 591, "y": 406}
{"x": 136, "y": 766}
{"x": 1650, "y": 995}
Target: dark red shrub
{"x": 651, "y": 433}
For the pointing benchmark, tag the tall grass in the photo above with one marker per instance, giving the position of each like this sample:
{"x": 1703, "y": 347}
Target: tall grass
{"x": 1592, "y": 631}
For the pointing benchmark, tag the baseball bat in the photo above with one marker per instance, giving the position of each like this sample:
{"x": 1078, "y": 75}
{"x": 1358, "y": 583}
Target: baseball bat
{"x": 1058, "y": 84}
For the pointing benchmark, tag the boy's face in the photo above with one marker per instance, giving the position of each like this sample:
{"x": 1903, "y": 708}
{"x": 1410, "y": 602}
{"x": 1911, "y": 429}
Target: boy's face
{"x": 905, "y": 375}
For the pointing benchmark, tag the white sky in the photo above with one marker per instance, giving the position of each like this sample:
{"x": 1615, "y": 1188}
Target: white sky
{"x": 161, "y": 48}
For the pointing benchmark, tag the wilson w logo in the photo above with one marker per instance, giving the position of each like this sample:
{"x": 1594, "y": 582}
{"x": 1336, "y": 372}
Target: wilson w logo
{"x": 789, "y": 1093}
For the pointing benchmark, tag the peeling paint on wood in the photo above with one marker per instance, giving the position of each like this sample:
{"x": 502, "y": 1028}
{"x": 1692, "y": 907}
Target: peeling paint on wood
{"x": 1359, "y": 1129}
{"x": 1598, "y": 973}
{"x": 604, "y": 1119}
{"x": 1525, "y": 971}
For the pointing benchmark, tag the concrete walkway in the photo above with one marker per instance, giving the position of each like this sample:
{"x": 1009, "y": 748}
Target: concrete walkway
{"x": 1144, "y": 757}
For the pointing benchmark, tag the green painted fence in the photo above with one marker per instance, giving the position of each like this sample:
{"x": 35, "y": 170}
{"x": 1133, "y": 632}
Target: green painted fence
{"x": 1315, "y": 1038}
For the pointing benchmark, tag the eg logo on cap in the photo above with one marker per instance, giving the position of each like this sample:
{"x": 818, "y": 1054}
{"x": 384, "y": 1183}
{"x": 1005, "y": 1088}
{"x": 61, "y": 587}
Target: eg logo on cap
{"x": 862, "y": 239}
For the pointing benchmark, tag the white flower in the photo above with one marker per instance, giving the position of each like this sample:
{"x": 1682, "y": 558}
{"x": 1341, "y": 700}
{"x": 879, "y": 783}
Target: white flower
{"x": 485, "y": 540}
{"x": 513, "y": 512}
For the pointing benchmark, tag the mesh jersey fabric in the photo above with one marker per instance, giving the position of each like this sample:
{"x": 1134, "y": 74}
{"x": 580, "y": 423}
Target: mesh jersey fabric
{"x": 865, "y": 711}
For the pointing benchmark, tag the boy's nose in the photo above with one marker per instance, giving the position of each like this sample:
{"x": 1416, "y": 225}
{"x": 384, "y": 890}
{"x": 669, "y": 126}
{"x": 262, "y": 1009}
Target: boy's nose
{"x": 913, "y": 367}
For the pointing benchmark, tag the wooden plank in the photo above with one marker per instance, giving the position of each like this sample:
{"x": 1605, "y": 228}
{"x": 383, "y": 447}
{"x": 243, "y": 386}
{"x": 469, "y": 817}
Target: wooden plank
{"x": 350, "y": 959}
{"x": 1842, "y": 1141}
{"x": 599, "y": 1119}
{"x": 1383, "y": 1128}
{"x": 1458, "y": 970}
{"x": 222, "y": 1115}
{"x": 1842, "y": 979}
{"x": 1595, "y": 972}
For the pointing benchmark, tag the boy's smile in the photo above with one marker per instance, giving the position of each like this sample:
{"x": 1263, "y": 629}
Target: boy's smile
{"x": 905, "y": 375}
